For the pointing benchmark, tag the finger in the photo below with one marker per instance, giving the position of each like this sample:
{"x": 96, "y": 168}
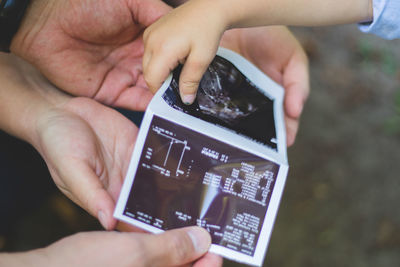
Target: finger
{"x": 124, "y": 227}
{"x": 146, "y": 58}
{"x": 176, "y": 247}
{"x": 147, "y": 12}
{"x": 292, "y": 126}
{"x": 117, "y": 80}
{"x": 159, "y": 67}
{"x": 209, "y": 260}
{"x": 134, "y": 98}
{"x": 296, "y": 83}
{"x": 85, "y": 186}
{"x": 192, "y": 72}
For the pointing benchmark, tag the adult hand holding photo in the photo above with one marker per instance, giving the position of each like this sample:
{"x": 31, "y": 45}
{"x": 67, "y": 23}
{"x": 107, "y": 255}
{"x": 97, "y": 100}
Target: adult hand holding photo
{"x": 90, "y": 48}
{"x": 275, "y": 51}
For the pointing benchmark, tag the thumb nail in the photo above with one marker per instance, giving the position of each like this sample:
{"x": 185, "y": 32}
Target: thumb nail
{"x": 201, "y": 239}
{"x": 188, "y": 99}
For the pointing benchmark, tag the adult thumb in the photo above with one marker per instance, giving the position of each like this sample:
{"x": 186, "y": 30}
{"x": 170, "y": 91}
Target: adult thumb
{"x": 177, "y": 247}
{"x": 147, "y": 12}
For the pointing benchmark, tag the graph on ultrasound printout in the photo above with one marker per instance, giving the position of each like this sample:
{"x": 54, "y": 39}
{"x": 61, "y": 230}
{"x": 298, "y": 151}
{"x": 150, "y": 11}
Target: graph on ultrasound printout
{"x": 228, "y": 99}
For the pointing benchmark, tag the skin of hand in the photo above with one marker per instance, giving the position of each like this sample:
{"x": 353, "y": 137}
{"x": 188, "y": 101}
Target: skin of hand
{"x": 172, "y": 248}
{"x": 184, "y": 36}
{"x": 277, "y": 53}
{"x": 208, "y": 260}
{"x": 90, "y": 48}
{"x": 86, "y": 147}
{"x": 190, "y": 33}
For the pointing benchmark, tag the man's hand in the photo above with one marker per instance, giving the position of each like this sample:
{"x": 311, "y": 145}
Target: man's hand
{"x": 172, "y": 248}
{"x": 90, "y": 48}
{"x": 276, "y": 52}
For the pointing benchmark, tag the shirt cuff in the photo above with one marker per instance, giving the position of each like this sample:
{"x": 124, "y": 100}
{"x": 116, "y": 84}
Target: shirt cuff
{"x": 386, "y": 19}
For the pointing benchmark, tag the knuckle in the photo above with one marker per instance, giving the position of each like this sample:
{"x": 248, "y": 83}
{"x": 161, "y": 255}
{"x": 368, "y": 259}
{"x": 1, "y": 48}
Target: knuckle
{"x": 149, "y": 81}
{"x": 189, "y": 86}
{"x": 199, "y": 63}
{"x": 151, "y": 42}
{"x": 202, "y": 56}
{"x": 166, "y": 47}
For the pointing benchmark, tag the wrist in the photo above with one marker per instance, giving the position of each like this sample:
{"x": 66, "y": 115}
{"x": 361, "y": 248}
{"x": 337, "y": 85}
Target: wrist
{"x": 220, "y": 15}
{"x": 50, "y": 103}
{"x": 30, "y": 116}
{"x": 26, "y": 97}
{"x": 370, "y": 11}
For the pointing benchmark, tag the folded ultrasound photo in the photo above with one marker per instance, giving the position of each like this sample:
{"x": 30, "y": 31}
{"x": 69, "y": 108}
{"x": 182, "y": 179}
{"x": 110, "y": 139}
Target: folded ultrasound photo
{"x": 219, "y": 163}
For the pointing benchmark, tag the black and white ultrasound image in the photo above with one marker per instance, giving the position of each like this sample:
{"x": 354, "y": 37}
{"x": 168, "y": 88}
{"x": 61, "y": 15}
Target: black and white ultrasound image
{"x": 228, "y": 99}
{"x": 186, "y": 178}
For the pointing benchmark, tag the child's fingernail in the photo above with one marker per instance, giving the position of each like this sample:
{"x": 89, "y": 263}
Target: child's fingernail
{"x": 188, "y": 99}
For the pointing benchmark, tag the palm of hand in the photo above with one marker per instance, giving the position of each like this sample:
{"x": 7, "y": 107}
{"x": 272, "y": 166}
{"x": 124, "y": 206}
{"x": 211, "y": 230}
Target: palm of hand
{"x": 91, "y": 48}
{"x": 87, "y": 147}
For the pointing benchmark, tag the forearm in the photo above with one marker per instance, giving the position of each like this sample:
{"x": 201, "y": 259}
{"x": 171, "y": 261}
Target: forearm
{"x": 23, "y": 101}
{"x": 241, "y": 13}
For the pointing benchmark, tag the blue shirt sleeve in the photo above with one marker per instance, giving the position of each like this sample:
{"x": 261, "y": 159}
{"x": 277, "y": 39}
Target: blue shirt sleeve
{"x": 386, "y": 22}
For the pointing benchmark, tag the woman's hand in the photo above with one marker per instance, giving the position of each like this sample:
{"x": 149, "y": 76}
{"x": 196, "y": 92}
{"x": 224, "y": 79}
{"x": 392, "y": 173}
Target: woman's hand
{"x": 276, "y": 52}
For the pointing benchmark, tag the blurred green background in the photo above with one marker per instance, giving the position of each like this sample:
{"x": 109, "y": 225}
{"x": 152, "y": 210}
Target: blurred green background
{"x": 341, "y": 202}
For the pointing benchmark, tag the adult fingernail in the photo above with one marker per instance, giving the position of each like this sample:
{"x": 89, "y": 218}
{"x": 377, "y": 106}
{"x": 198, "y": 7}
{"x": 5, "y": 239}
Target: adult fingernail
{"x": 102, "y": 218}
{"x": 201, "y": 239}
{"x": 188, "y": 99}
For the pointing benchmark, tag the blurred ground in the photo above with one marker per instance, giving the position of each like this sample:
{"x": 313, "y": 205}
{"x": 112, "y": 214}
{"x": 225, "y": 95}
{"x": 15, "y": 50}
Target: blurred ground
{"x": 341, "y": 202}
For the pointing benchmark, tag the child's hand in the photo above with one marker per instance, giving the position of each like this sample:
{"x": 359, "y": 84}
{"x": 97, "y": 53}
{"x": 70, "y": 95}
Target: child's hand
{"x": 189, "y": 35}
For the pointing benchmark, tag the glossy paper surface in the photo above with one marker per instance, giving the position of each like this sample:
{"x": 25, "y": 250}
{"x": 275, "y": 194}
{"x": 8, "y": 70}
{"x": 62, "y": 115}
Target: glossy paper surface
{"x": 220, "y": 163}
{"x": 228, "y": 99}
{"x": 187, "y": 178}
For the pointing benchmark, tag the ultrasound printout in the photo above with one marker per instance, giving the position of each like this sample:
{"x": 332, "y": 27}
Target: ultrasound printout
{"x": 187, "y": 178}
{"x": 228, "y": 99}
